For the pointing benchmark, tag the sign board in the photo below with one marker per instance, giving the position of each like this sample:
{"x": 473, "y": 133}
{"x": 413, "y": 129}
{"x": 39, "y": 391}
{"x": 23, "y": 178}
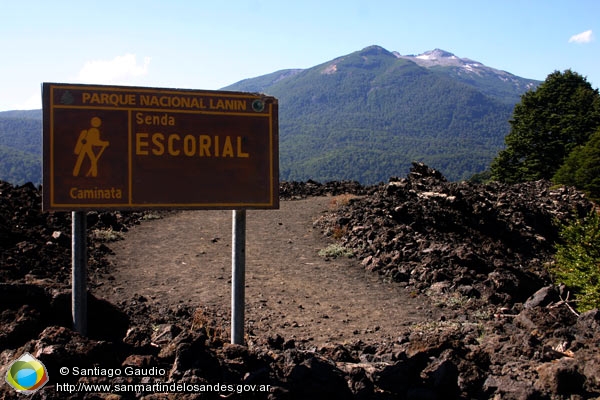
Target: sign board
{"x": 117, "y": 147}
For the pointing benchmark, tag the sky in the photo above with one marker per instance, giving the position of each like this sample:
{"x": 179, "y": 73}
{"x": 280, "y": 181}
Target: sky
{"x": 198, "y": 44}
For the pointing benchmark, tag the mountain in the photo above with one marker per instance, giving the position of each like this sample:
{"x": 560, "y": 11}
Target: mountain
{"x": 366, "y": 115}
{"x": 21, "y": 146}
{"x": 490, "y": 81}
{"x": 363, "y": 116}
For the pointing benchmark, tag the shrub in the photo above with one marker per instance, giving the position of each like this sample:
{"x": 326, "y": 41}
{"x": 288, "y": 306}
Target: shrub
{"x": 577, "y": 261}
{"x": 582, "y": 168}
{"x": 335, "y": 250}
{"x": 107, "y": 235}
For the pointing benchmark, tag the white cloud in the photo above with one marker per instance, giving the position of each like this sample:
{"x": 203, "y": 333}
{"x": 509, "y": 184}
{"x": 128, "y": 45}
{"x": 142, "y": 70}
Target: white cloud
{"x": 119, "y": 70}
{"x": 583, "y": 37}
{"x": 33, "y": 102}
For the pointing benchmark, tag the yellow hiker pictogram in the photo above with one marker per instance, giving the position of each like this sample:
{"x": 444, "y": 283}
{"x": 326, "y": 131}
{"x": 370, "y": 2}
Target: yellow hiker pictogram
{"x": 88, "y": 140}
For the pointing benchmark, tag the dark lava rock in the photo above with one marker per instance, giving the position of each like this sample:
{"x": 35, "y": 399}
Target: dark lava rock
{"x": 487, "y": 241}
{"x": 298, "y": 190}
{"x": 317, "y": 378}
{"x": 543, "y": 297}
{"x": 479, "y": 249}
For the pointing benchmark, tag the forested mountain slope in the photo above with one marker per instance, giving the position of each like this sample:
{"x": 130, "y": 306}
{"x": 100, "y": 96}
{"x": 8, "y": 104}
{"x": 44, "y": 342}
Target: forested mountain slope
{"x": 367, "y": 115}
{"x": 21, "y": 146}
{"x": 363, "y": 116}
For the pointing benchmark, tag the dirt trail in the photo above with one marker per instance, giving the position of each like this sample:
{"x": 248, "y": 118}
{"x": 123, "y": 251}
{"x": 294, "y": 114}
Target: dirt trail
{"x": 290, "y": 289}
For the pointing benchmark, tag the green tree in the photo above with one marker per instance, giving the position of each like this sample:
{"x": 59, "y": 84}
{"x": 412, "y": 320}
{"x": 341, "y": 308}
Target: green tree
{"x": 578, "y": 260}
{"x": 582, "y": 168}
{"x": 546, "y": 126}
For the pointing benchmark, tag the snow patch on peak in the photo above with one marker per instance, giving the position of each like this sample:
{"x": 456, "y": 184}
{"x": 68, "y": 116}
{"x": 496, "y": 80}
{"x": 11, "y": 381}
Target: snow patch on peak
{"x": 425, "y": 57}
{"x": 439, "y": 53}
{"x": 436, "y": 54}
{"x": 439, "y": 57}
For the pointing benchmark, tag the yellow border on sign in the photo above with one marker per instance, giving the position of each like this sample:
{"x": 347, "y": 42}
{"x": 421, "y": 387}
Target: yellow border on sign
{"x": 130, "y": 110}
{"x": 129, "y": 157}
{"x": 51, "y": 146}
{"x": 271, "y": 155}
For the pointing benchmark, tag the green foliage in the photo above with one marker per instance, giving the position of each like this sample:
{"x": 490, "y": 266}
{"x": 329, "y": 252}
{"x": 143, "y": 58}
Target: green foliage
{"x": 578, "y": 260}
{"x": 581, "y": 169}
{"x": 367, "y": 115}
{"x": 482, "y": 177}
{"x": 21, "y": 146}
{"x": 508, "y": 89}
{"x": 19, "y": 167}
{"x": 546, "y": 126}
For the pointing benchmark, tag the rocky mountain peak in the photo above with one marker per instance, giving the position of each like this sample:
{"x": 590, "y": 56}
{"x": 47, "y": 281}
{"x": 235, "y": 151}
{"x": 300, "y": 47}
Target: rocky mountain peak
{"x": 374, "y": 50}
{"x": 439, "y": 57}
{"x": 436, "y": 54}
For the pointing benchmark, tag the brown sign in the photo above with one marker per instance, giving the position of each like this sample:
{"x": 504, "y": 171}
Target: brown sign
{"x": 116, "y": 147}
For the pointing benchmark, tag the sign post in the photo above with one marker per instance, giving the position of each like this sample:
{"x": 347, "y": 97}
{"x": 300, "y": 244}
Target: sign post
{"x": 133, "y": 148}
{"x": 238, "y": 275}
{"x": 79, "y": 271}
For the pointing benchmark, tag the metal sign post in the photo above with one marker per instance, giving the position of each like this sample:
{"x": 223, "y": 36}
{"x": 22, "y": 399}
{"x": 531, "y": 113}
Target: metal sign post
{"x": 79, "y": 271}
{"x": 238, "y": 272}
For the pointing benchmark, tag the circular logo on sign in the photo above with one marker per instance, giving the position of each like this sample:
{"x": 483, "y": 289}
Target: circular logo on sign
{"x": 258, "y": 105}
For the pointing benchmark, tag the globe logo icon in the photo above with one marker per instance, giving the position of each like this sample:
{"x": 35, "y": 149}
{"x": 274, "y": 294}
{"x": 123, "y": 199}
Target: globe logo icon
{"x": 27, "y": 374}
